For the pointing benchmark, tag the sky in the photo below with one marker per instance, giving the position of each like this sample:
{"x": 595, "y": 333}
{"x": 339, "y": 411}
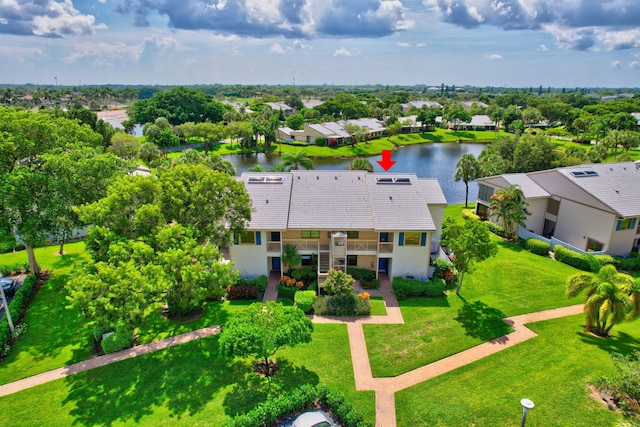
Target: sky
{"x": 512, "y": 43}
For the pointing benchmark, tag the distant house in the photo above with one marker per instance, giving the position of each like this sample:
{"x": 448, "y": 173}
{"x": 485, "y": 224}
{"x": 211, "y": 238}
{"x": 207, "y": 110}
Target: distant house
{"x": 589, "y": 208}
{"x": 468, "y": 105}
{"x": 311, "y": 103}
{"x": 637, "y": 116}
{"x": 478, "y": 122}
{"x": 339, "y": 219}
{"x": 331, "y": 132}
{"x": 420, "y": 105}
{"x": 280, "y": 106}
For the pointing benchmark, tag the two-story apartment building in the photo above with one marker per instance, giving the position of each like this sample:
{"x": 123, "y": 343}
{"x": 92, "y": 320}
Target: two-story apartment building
{"x": 381, "y": 222}
{"x": 593, "y": 208}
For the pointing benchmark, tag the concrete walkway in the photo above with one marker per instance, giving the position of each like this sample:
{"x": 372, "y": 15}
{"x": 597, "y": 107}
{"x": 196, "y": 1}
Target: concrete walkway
{"x": 384, "y": 388}
{"x": 271, "y": 293}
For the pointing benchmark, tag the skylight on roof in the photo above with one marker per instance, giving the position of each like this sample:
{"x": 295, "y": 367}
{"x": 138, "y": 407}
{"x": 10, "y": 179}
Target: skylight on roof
{"x": 584, "y": 174}
{"x": 396, "y": 180}
{"x": 264, "y": 180}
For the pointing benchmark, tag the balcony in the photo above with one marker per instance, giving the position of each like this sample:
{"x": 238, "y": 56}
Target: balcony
{"x": 274, "y": 247}
{"x": 303, "y": 244}
{"x": 359, "y": 246}
{"x": 385, "y": 247}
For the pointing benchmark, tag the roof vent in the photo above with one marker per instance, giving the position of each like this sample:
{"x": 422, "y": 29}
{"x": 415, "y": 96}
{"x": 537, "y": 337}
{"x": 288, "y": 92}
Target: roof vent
{"x": 399, "y": 180}
{"x": 264, "y": 180}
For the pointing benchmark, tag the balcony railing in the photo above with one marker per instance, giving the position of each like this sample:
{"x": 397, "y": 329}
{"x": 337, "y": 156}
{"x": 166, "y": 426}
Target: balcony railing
{"x": 362, "y": 245}
{"x": 385, "y": 248}
{"x": 303, "y": 244}
{"x": 274, "y": 247}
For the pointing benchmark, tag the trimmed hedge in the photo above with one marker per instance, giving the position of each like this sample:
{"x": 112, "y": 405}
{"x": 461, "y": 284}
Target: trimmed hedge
{"x": 16, "y": 309}
{"x": 605, "y": 259}
{"x": 260, "y": 283}
{"x": 584, "y": 262}
{"x": 307, "y": 396}
{"x": 405, "y": 288}
{"x": 245, "y": 292}
{"x": 469, "y": 214}
{"x": 122, "y": 338}
{"x": 305, "y": 274}
{"x": 287, "y": 291}
{"x": 304, "y": 300}
{"x": 630, "y": 263}
{"x": 373, "y": 284}
{"x": 538, "y": 247}
{"x": 341, "y": 305}
{"x": 362, "y": 274}
{"x": 13, "y": 269}
{"x": 496, "y": 229}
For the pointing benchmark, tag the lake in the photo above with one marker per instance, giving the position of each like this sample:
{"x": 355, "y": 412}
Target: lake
{"x": 431, "y": 160}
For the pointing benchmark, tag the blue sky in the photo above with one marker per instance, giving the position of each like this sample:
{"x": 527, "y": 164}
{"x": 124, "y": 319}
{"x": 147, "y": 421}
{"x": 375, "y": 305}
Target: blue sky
{"x": 560, "y": 43}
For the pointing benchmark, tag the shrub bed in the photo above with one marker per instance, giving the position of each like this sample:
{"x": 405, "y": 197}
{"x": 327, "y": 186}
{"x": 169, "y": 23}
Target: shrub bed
{"x": 306, "y": 275}
{"x": 361, "y": 274}
{"x": 244, "y": 292}
{"x": 584, "y": 262}
{"x": 17, "y": 309}
{"x": 496, "y": 229}
{"x": 341, "y": 305}
{"x": 469, "y": 214}
{"x": 279, "y": 408}
{"x": 537, "y": 247}
{"x": 630, "y": 263}
{"x": 304, "y": 300}
{"x": 405, "y": 288}
{"x": 13, "y": 269}
{"x": 605, "y": 259}
{"x": 122, "y": 338}
{"x": 373, "y": 284}
{"x": 260, "y": 283}
{"x": 287, "y": 292}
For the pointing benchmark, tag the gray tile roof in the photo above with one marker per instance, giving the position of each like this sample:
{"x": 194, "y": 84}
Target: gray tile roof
{"x": 530, "y": 189}
{"x": 617, "y": 185}
{"x": 342, "y": 200}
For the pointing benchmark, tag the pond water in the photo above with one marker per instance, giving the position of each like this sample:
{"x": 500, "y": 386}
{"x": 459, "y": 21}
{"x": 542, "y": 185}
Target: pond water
{"x": 430, "y": 160}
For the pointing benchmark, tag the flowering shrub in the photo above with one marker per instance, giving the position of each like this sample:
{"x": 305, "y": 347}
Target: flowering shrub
{"x": 364, "y": 296}
{"x": 291, "y": 282}
{"x": 339, "y": 283}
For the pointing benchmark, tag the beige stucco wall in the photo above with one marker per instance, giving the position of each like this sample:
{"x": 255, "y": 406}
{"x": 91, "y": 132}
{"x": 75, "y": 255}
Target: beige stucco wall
{"x": 577, "y": 223}
{"x": 622, "y": 240}
{"x": 250, "y": 260}
{"x": 409, "y": 260}
{"x": 537, "y": 208}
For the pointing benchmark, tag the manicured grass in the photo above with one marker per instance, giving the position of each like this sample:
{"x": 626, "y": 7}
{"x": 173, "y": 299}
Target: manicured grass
{"x": 552, "y": 370}
{"x": 514, "y": 282}
{"x": 188, "y": 385}
{"x": 378, "y": 307}
{"x": 445, "y": 135}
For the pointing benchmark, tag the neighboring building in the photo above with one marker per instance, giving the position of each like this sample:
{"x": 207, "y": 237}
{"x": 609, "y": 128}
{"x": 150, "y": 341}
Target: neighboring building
{"x": 281, "y": 106}
{"x": 421, "y": 104}
{"x": 468, "y": 105}
{"x": 478, "y": 122}
{"x": 311, "y": 103}
{"x": 339, "y": 219}
{"x": 637, "y": 116}
{"x": 331, "y": 132}
{"x": 591, "y": 208}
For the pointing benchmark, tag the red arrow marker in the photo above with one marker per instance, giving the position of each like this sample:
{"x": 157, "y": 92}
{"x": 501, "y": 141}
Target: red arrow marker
{"x": 386, "y": 163}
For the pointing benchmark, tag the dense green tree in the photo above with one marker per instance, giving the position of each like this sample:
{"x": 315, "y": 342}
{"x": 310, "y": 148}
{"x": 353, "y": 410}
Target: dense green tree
{"x": 339, "y": 283}
{"x": 531, "y": 115}
{"x": 243, "y": 132}
{"x": 509, "y": 207}
{"x": 295, "y": 121}
{"x": 456, "y": 115}
{"x": 611, "y": 298}
{"x": 470, "y": 243}
{"x": 217, "y": 162}
{"x": 35, "y": 149}
{"x": 125, "y": 146}
{"x": 496, "y": 114}
{"x": 149, "y": 152}
{"x": 262, "y": 329}
{"x": 393, "y": 129}
{"x": 467, "y": 169}
{"x": 533, "y": 153}
{"x": 179, "y": 105}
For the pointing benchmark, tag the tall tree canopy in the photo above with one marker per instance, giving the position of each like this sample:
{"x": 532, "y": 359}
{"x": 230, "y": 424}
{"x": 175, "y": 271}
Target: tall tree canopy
{"x": 47, "y": 165}
{"x": 179, "y": 105}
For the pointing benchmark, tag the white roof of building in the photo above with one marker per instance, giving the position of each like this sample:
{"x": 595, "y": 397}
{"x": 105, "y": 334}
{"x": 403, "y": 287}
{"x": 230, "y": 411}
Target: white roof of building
{"x": 341, "y": 200}
{"x": 617, "y": 185}
{"x": 310, "y": 103}
{"x": 529, "y": 188}
{"x": 481, "y": 120}
{"x": 420, "y": 104}
{"x": 278, "y": 106}
{"x": 637, "y": 116}
{"x": 478, "y": 103}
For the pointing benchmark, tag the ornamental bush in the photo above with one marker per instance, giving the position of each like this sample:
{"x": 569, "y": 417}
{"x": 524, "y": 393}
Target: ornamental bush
{"x": 122, "y": 338}
{"x": 304, "y": 300}
{"x": 580, "y": 261}
{"x": 496, "y": 229}
{"x": 244, "y": 292}
{"x": 537, "y": 247}
{"x": 469, "y": 214}
{"x": 287, "y": 292}
{"x": 629, "y": 263}
{"x": 339, "y": 283}
{"x": 13, "y": 269}
{"x": 605, "y": 259}
{"x": 361, "y": 274}
{"x": 405, "y": 288}
{"x": 304, "y": 274}
{"x": 435, "y": 287}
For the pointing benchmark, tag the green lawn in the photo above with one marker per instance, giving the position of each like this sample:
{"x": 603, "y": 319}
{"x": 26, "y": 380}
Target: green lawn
{"x": 514, "y": 282}
{"x": 378, "y": 307}
{"x": 186, "y": 385}
{"x": 552, "y": 370}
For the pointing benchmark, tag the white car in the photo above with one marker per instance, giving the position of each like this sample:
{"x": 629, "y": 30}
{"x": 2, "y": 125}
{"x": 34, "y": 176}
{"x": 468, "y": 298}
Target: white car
{"x": 312, "y": 419}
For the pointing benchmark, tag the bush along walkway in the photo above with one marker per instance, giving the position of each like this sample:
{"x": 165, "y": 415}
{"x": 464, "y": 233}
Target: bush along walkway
{"x": 384, "y": 388}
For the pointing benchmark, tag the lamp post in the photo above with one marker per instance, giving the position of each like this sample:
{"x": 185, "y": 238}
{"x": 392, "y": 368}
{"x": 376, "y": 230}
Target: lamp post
{"x": 526, "y": 405}
{"x": 6, "y": 308}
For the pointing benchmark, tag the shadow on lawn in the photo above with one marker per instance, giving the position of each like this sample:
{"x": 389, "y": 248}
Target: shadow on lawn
{"x": 182, "y": 379}
{"x": 621, "y": 342}
{"x": 481, "y": 321}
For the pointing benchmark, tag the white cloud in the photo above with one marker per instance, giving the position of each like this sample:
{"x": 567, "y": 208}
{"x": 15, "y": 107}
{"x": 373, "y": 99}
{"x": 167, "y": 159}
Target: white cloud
{"x": 615, "y": 40}
{"x": 421, "y": 45}
{"x": 301, "y": 47}
{"x": 494, "y": 57}
{"x": 276, "y": 48}
{"x": 615, "y": 65}
{"x": 543, "y": 48}
{"x": 403, "y": 44}
{"x": 635, "y": 65}
{"x": 342, "y": 52}
{"x": 106, "y": 54}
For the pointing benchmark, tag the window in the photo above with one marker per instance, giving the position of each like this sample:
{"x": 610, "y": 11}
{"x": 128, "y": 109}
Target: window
{"x": 352, "y": 260}
{"x": 310, "y": 234}
{"x": 553, "y": 207}
{"x": 412, "y": 238}
{"x": 353, "y": 234}
{"x": 306, "y": 261}
{"x": 484, "y": 192}
{"x": 246, "y": 238}
{"x": 594, "y": 245}
{"x": 482, "y": 211}
{"x": 275, "y": 236}
{"x": 626, "y": 223}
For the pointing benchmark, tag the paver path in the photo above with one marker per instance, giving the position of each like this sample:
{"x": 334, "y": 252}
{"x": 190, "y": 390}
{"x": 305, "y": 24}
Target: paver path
{"x": 271, "y": 293}
{"x": 385, "y": 388}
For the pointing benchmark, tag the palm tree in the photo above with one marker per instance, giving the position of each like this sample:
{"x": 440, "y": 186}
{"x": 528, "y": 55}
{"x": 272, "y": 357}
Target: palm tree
{"x": 468, "y": 170}
{"x": 294, "y": 161}
{"x": 361, "y": 164}
{"x": 510, "y": 208}
{"x": 611, "y": 298}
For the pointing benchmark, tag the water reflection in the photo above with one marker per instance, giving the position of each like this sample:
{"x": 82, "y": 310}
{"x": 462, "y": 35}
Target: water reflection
{"x": 425, "y": 160}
